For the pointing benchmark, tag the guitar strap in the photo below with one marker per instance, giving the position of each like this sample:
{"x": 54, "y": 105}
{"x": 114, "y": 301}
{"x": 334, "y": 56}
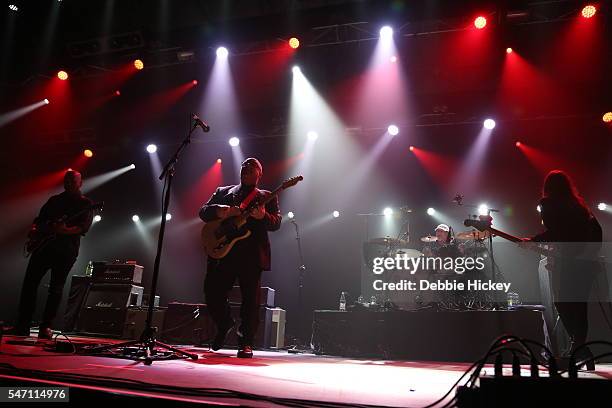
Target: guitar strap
{"x": 249, "y": 198}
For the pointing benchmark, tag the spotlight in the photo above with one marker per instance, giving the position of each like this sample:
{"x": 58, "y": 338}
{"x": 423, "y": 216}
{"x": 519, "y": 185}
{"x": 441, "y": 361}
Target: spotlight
{"x": 13, "y": 7}
{"x": 63, "y": 75}
{"x": 489, "y": 124}
{"x": 118, "y": 92}
{"x": 219, "y": 161}
{"x": 480, "y": 22}
{"x": 168, "y": 216}
{"x": 602, "y": 206}
{"x": 412, "y": 148}
{"x": 194, "y": 82}
{"x": 132, "y": 166}
{"x": 431, "y": 211}
{"x": 290, "y": 215}
{"x": 87, "y": 153}
{"x": 483, "y": 209}
{"x": 607, "y": 117}
{"x": 589, "y": 11}
{"x": 234, "y": 141}
{"x": 508, "y": 50}
{"x": 97, "y": 218}
{"x": 393, "y": 58}
{"x": 518, "y": 144}
{"x": 151, "y": 148}
{"x": 312, "y": 135}
{"x": 135, "y": 218}
{"x": 222, "y": 52}
{"x": 336, "y": 214}
{"x": 294, "y": 43}
{"x": 539, "y": 208}
{"x": 386, "y": 33}
{"x": 46, "y": 101}
{"x": 393, "y": 130}
{"x": 296, "y": 69}
{"x": 138, "y": 64}
{"x": 387, "y": 212}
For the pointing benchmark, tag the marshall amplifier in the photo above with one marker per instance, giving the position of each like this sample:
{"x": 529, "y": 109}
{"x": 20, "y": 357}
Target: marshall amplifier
{"x": 113, "y": 295}
{"x": 187, "y": 323}
{"x": 117, "y": 272}
{"x": 127, "y": 323}
{"x": 266, "y": 296}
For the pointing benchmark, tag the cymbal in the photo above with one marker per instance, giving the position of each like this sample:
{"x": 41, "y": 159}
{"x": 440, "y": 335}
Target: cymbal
{"x": 473, "y": 234}
{"x": 429, "y": 238}
{"x": 388, "y": 241}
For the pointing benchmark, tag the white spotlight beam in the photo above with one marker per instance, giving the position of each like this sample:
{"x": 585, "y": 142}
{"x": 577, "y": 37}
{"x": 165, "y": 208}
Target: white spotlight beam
{"x": 96, "y": 181}
{"x": 8, "y": 117}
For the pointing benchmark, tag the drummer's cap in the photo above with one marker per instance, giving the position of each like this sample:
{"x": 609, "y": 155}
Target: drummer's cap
{"x": 443, "y": 227}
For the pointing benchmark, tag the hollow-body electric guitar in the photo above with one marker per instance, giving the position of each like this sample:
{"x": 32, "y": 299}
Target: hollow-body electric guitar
{"x": 219, "y": 236}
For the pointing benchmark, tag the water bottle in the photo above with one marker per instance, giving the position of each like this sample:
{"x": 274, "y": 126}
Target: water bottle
{"x": 513, "y": 300}
{"x": 343, "y": 302}
{"x": 89, "y": 269}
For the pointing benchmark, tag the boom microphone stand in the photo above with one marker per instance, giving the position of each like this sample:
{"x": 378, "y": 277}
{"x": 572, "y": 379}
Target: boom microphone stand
{"x": 148, "y": 341}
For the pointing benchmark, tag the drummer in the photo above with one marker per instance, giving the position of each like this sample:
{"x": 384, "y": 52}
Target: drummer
{"x": 444, "y": 244}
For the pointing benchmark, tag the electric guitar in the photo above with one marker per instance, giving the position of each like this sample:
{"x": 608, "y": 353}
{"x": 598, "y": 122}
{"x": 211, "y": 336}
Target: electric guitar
{"x": 44, "y": 233}
{"x": 219, "y": 236}
{"x": 484, "y": 224}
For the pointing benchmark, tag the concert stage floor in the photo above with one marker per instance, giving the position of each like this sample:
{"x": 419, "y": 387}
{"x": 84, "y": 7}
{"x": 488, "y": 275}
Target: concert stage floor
{"x": 269, "y": 374}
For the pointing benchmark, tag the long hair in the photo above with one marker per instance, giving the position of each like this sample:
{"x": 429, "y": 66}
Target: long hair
{"x": 559, "y": 186}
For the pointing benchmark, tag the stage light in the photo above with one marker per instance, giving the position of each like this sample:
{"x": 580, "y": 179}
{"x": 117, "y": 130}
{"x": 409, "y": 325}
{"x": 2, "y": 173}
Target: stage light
{"x": 387, "y": 212}
{"x": 480, "y": 22}
{"x": 219, "y": 161}
{"x": 138, "y": 64}
{"x": 602, "y": 206}
{"x": 151, "y": 148}
{"x": 589, "y": 11}
{"x": 296, "y": 69}
{"x": 222, "y": 52}
{"x": 234, "y": 141}
{"x": 386, "y": 33}
{"x": 97, "y": 218}
{"x": 336, "y": 214}
{"x": 518, "y": 144}
{"x": 607, "y": 117}
{"x": 393, "y": 58}
{"x": 135, "y": 218}
{"x": 412, "y": 148}
{"x": 132, "y": 166}
{"x": 63, "y": 75}
{"x": 312, "y": 135}
{"x": 194, "y": 82}
{"x": 483, "y": 209}
{"x": 46, "y": 101}
{"x": 431, "y": 211}
{"x": 168, "y": 216}
{"x": 290, "y": 215}
{"x": 538, "y": 208}
{"x": 294, "y": 43}
{"x": 508, "y": 50}
{"x": 13, "y": 7}
{"x": 393, "y": 130}
{"x": 489, "y": 124}
{"x": 87, "y": 153}
{"x": 118, "y": 92}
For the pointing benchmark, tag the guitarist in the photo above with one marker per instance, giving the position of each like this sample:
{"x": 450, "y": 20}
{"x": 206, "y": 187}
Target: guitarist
{"x": 576, "y": 235}
{"x": 58, "y": 255}
{"x": 246, "y": 260}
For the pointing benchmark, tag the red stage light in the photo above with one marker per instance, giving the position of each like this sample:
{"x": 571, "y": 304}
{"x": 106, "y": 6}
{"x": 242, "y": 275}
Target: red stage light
{"x": 219, "y": 161}
{"x": 480, "y": 22}
{"x": 63, "y": 75}
{"x": 138, "y": 64}
{"x": 118, "y": 92}
{"x": 412, "y": 148}
{"x": 508, "y": 50}
{"x": 194, "y": 82}
{"x": 88, "y": 153}
{"x": 607, "y": 117}
{"x": 589, "y": 11}
{"x": 518, "y": 144}
{"x": 294, "y": 43}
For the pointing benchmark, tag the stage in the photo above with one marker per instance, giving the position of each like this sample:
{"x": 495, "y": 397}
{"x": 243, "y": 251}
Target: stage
{"x": 271, "y": 378}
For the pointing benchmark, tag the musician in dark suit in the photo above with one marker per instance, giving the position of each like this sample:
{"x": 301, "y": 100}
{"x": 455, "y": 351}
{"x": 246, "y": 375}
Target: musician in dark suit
{"x": 58, "y": 255}
{"x": 245, "y": 261}
{"x": 576, "y": 236}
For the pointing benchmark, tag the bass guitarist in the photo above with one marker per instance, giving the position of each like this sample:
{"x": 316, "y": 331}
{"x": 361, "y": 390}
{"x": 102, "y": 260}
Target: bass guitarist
{"x": 246, "y": 260}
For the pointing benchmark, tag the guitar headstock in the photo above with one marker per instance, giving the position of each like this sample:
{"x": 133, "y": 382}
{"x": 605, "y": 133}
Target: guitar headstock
{"x": 483, "y": 222}
{"x": 291, "y": 182}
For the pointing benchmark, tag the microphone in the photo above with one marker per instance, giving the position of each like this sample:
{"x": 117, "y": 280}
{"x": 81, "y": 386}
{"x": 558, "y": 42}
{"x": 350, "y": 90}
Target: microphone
{"x": 199, "y": 122}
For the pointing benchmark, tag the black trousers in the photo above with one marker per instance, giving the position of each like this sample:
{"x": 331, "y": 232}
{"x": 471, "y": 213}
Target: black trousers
{"x": 52, "y": 257}
{"x": 219, "y": 281}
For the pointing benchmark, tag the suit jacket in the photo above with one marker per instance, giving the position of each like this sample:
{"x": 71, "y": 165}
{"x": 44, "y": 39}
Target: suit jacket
{"x": 256, "y": 248}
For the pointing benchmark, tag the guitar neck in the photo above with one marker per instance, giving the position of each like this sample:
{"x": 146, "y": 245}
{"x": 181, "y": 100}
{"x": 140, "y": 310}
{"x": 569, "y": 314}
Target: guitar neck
{"x": 504, "y": 235}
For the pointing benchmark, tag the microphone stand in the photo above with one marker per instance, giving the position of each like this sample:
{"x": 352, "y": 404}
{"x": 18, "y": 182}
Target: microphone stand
{"x": 148, "y": 341}
{"x": 301, "y": 271}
